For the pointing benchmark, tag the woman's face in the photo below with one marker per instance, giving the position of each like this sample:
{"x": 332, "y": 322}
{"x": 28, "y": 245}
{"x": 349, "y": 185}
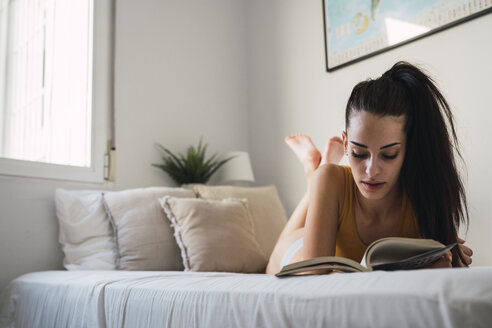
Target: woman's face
{"x": 375, "y": 147}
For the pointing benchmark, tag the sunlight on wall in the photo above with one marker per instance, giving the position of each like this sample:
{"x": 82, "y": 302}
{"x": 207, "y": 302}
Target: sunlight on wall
{"x": 399, "y": 31}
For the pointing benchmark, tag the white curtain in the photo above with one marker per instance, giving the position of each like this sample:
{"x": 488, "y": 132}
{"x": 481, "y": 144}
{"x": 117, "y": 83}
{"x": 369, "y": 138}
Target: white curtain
{"x": 3, "y": 67}
{"x": 47, "y": 112}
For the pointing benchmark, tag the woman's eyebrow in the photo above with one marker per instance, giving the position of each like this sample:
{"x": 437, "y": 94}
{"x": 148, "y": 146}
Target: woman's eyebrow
{"x": 390, "y": 145}
{"x": 358, "y": 144}
{"x": 364, "y": 146}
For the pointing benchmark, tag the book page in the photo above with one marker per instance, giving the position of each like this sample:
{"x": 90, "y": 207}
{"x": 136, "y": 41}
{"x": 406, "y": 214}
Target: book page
{"x": 417, "y": 261}
{"x": 324, "y": 266}
{"x": 395, "y": 249}
{"x": 324, "y": 260}
{"x": 309, "y": 264}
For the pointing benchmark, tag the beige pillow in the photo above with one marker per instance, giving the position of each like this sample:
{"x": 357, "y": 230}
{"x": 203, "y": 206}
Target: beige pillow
{"x": 266, "y": 210}
{"x": 143, "y": 237}
{"x": 214, "y": 235}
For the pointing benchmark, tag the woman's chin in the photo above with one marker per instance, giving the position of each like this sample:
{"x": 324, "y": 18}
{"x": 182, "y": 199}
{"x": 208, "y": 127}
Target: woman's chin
{"x": 372, "y": 194}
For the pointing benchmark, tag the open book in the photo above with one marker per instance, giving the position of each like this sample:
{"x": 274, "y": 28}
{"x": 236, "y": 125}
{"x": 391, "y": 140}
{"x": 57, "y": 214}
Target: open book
{"x": 393, "y": 253}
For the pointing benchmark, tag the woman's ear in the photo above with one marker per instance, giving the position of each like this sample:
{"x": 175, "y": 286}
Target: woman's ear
{"x": 344, "y": 139}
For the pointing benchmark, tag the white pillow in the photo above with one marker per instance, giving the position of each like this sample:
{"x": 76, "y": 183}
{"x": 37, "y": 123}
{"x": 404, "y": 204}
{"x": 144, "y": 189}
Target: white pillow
{"x": 85, "y": 234}
{"x": 143, "y": 236}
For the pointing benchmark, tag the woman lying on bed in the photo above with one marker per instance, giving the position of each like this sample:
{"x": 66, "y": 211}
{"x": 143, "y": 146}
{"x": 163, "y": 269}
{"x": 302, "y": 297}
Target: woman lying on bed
{"x": 402, "y": 179}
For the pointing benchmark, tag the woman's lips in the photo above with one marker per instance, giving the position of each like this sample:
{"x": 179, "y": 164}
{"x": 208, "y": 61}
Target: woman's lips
{"x": 373, "y": 185}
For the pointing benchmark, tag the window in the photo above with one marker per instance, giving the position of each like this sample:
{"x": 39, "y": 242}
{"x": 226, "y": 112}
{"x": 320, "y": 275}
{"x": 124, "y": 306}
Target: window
{"x": 49, "y": 121}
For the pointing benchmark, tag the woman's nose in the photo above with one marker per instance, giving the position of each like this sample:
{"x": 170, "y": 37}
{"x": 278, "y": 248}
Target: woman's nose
{"x": 372, "y": 168}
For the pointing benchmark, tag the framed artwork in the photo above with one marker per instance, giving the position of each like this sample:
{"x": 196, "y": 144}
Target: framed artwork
{"x": 358, "y": 29}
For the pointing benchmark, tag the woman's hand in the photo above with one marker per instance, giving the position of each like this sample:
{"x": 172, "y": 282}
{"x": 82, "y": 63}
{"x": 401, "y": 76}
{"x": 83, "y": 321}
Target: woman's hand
{"x": 443, "y": 262}
{"x": 466, "y": 251}
{"x": 446, "y": 259}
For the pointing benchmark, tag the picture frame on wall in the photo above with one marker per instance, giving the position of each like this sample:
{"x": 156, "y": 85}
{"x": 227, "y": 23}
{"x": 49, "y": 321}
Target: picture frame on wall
{"x": 358, "y": 29}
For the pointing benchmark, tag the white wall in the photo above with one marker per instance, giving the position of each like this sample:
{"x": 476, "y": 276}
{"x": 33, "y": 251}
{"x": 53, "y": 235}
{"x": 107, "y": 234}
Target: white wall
{"x": 291, "y": 92}
{"x": 180, "y": 74}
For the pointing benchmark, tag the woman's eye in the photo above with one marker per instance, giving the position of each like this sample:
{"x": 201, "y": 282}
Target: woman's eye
{"x": 359, "y": 155}
{"x": 390, "y": 156}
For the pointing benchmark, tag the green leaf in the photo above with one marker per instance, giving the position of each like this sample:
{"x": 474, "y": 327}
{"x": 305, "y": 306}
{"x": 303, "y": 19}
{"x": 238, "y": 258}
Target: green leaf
{"x": 172, "y": 158}
{"x": 193, "y": 167}
{"x": 216, "y": 166}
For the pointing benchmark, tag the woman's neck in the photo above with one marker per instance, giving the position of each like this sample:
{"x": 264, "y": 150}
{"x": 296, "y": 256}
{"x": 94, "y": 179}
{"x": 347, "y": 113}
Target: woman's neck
{"x": 380, "y": 209}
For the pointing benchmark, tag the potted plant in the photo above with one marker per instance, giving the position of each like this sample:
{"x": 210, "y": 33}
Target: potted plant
{"x": 192, "y": 167}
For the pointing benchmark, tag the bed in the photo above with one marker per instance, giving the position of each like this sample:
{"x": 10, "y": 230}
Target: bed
{"x": 174, "y": 257}
{"x": 420, "y": 298}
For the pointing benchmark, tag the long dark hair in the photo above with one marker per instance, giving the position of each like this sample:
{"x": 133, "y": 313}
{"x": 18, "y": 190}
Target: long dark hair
{"x": 429, "y": 174}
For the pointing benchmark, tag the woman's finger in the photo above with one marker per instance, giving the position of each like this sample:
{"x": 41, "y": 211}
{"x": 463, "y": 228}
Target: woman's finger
{"x": 466, "y": 250}
{"x": 468, "y": 261}
{"x": 443, "y": 262}
{"x": 461, "y": 241}
{"x": 449, "y": 256}
{"x": 467, "y": 253}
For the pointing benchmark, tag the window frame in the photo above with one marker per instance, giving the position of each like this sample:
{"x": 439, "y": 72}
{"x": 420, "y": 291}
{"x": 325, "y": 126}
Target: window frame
{"x": 101, "y": 100}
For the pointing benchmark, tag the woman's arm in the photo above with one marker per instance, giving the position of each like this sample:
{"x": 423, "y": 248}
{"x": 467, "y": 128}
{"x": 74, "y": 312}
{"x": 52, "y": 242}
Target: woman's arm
{"x": 325, "y": 199}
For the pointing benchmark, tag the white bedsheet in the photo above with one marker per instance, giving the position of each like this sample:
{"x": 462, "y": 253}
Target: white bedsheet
{"x": 422, "y": 298}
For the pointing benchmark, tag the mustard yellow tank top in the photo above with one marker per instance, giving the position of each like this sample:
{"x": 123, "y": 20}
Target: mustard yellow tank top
{"x": 348, "y": 243}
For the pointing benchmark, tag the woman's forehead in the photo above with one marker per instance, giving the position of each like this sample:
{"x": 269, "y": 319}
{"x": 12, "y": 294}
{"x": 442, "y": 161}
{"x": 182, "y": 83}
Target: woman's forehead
{"x": 366, "y": 128}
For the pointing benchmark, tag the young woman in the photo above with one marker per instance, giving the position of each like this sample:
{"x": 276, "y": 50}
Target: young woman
{"x": 402, "y": 180}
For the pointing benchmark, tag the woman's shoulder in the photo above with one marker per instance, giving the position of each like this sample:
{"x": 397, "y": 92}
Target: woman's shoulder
{"x": 334, "y": 172}
{"x": 332, "y": 176}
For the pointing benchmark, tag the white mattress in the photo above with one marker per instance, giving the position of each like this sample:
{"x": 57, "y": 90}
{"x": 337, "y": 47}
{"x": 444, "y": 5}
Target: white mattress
{"x": 422, "y": 298}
